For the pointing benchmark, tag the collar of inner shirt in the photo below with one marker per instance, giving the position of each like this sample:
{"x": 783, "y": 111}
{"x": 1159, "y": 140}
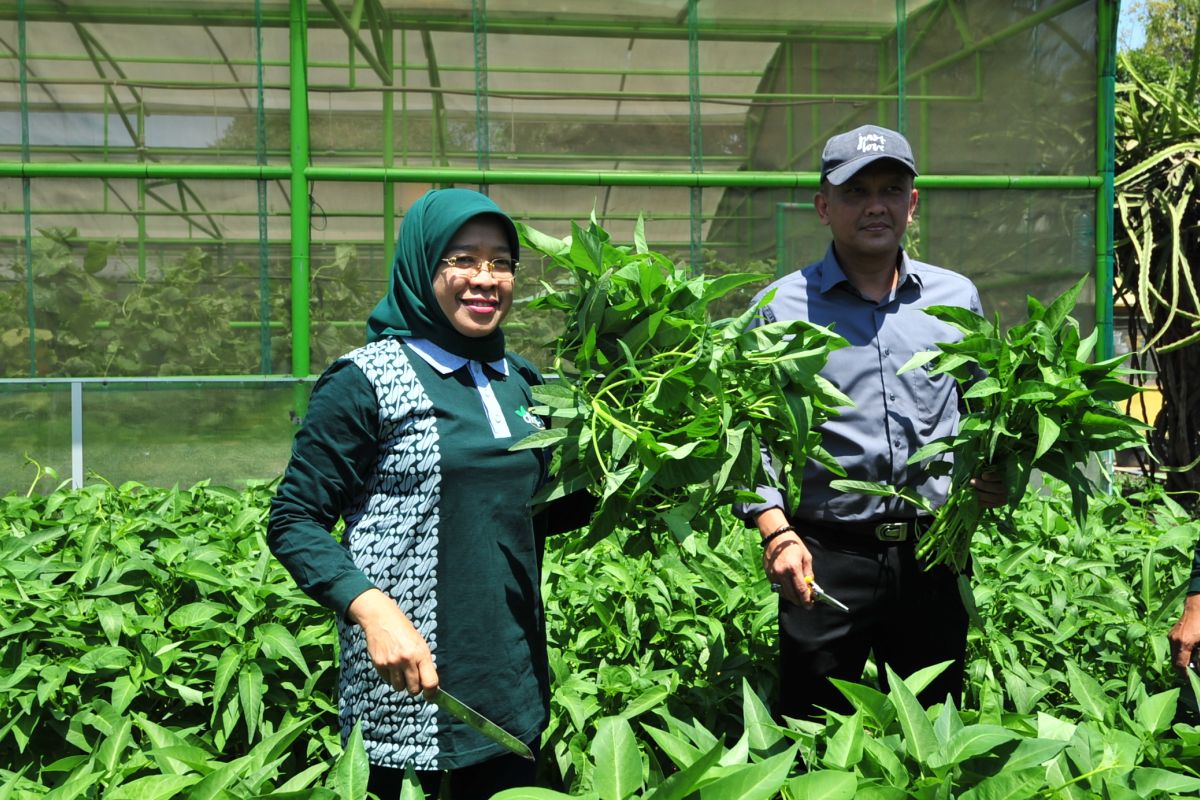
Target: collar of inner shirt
{"x": 832, "y": 274}
{"x": 446, "y": 362}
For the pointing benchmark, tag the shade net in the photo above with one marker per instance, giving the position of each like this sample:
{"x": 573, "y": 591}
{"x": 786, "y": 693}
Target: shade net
{"x": 123, "y": 276}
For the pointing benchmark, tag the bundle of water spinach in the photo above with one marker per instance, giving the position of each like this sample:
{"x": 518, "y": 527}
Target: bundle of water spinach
{"x": 1033, "y": 400}
{"x": 658, "y": 409}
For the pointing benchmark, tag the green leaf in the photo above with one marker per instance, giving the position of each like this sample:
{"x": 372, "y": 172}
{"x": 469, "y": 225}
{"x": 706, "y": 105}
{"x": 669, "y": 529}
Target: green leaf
{"x": 918, "y": 360}
{"x": 1056, "y": 313}
{"x": 1088, "y": 693}
{"x": 761, "y": 732}
{"x": 760, "y": 781}
{"x": 194, "y": 615}
{"x": 1150, "y": 780}
{"x": 964, "y": 319}
{"x": 985, "y": 388}
{"x": 1047, "y": 435}
{"x": 276, "y": 642}
{"x": 618, "y": 771}
{"x": 151, "y": 787}
{"x": 867, "y": 700}
{"x": 1034, "y": 752}
{"x": 533, "y": 793}
{"x": 844, "y": 747}
{"x": 973, "y": 740}
{"x": 863, "y": 487}
{"x": 250, "y": 696}
{"x": 1008, "y": 785}
{"x": 919, "y": 738}
{"x": 639, "y": 235}
{"x": 1156, "y": 713}
{"x": 349, "y": 775}
{"x": 683, "y": 783}
{"x": 826, "y": 784}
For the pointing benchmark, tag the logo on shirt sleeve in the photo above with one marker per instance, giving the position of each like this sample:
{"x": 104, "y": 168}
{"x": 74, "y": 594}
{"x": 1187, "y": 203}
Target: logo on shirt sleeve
{"x": 533, "y": 420}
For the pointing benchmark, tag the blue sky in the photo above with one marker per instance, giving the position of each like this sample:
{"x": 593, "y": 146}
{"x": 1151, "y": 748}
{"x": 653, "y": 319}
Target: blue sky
{"x": 1131, "y": 34}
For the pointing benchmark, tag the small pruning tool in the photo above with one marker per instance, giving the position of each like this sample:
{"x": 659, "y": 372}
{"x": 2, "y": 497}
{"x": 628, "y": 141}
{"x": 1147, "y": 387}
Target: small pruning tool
{"x": 824, "y": 596}
{"x": 819, "y": 594}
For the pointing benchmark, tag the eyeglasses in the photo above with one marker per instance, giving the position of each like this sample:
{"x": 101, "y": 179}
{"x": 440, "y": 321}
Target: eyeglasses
{"x": 469, "y": 267}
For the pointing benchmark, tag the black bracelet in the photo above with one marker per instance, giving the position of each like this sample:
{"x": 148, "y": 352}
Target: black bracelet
{"x": 766, "y": 540}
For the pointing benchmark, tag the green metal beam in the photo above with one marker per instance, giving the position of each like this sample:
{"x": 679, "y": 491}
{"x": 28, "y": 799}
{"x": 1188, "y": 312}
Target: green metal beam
{"x": 558, "y": 24}
{"x": 1032, "y": 21}
{"x": 378, "y": 64}
{"x": 802, "y": 180}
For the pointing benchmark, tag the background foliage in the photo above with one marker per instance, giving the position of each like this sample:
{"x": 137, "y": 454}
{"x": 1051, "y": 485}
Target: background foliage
{"x": 1157, "y": 223}
{"x": 151, "y": 647}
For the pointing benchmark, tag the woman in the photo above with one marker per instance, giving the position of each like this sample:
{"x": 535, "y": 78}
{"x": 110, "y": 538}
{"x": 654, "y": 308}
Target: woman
{"x": 436, "y": 579}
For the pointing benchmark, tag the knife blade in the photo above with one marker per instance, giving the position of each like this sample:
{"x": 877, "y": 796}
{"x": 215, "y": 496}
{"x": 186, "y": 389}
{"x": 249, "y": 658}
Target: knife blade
{"x": 479, "y": 723}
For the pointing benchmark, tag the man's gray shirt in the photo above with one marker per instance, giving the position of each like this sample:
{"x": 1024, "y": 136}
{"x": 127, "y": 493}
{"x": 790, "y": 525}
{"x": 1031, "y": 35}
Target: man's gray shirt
{"x": 894, "y": 415}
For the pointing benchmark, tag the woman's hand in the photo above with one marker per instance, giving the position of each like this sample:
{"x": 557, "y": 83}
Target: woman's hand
{"x": 398, "y": 650}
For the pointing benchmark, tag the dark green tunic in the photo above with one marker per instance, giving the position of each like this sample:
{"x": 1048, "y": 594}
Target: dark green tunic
{"x": 414, "y": 456}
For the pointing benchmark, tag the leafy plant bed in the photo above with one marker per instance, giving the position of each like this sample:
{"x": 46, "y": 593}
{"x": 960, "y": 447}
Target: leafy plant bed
{"x": 150, "y": 647}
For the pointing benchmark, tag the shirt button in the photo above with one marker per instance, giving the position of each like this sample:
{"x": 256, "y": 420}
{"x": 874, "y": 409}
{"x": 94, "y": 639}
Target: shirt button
{"x": 887, "y": 351}
{"x": 891, "y": 397}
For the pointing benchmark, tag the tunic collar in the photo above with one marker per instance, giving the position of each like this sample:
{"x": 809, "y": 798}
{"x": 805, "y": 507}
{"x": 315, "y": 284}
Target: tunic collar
{"x": 446, "y": 362}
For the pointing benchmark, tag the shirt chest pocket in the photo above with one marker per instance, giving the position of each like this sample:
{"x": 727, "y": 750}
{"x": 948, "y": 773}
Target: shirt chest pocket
{"x": 934, "y": 396}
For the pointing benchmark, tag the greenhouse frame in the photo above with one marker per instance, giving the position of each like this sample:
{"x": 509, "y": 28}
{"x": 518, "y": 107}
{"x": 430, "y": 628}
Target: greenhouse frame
{"x": 167, "y": 302}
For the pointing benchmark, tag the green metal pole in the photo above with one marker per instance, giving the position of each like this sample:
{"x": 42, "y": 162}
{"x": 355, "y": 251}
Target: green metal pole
{"x": 482, "y": 128}
{"x": 1106, "y": 57}
{"x": 26, "y": 193}
{"x": 141, "y": 191}
{"x": 298, "y": 52}
{"x": 695, "y": 143}
{"x": 260, "y": 144}
{"x": 389, "y": 153}
{"x": 1106, "y": 167}
{"x": 901, "y": 63}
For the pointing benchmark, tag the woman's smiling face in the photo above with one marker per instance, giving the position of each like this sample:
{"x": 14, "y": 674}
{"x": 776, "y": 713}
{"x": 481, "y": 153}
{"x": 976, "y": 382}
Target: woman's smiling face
{"x": 475, "y": 305}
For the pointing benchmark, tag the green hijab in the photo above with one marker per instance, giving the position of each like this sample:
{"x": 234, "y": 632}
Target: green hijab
{"x": 410, "y": 307}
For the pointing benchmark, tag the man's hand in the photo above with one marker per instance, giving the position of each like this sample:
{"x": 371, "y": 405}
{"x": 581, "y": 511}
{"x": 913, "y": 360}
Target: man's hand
{"x": 1185, "y": 636}
{"x": 786, "y": 560}
{"x": 398, "y": 650}
{"x": 989, "y": 489}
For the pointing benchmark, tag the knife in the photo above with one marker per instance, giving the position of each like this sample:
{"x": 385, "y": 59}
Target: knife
{"x": 479, "y": 723}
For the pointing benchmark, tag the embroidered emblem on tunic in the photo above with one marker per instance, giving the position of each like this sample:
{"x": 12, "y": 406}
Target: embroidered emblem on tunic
{"x": 530, "y": 418}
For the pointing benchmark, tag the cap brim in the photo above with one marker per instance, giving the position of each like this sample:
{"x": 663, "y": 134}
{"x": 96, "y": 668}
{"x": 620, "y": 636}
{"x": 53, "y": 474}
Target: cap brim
{"x": 844, "y": 172}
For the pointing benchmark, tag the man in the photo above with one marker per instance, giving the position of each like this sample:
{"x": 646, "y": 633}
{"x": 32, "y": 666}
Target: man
{"x": 1185, "y": 635}
{"x": 860, "y": 549}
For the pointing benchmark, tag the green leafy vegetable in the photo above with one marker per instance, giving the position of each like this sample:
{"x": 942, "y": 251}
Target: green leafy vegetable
{"x": 1042, "y": 405}
{"x": 661, "y": 408}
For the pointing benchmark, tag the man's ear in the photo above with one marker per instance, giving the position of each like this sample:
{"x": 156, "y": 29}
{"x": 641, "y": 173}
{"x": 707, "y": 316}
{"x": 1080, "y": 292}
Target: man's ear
{"x": 912, "y": 205}
{"x": 821, "y": 203}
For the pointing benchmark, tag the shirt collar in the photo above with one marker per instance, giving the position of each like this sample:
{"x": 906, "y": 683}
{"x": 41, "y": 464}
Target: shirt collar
{"x": 446, "y": 362}
{"x": 832, "y": 274}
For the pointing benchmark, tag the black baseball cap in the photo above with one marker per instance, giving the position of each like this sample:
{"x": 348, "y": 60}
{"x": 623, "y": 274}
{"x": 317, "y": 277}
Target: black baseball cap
{"x": 847, "y": 153}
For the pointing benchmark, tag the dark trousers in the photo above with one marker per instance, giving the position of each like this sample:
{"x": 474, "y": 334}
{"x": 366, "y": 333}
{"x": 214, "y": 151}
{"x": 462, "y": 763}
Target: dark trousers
{"x": 476, "y": 782}
{"x": 909, "y": 617}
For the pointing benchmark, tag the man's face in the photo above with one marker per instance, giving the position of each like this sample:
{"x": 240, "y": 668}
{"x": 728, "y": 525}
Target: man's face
{"x": 869, "y": 213}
